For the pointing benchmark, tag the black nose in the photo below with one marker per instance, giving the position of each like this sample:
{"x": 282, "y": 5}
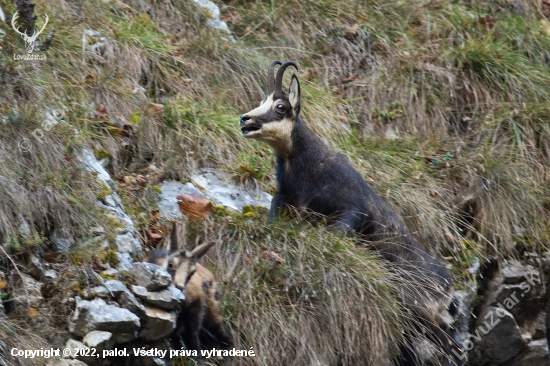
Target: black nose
{"x": 244, "y": 118}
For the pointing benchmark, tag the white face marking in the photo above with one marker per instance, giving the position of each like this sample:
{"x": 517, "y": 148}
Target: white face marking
{"x": 263, "y": 108}
{"x": 277, "y": 135}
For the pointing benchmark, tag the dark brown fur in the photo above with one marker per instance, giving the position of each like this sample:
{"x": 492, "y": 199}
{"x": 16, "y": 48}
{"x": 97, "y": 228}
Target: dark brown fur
{"x": 311, "y": 176}
{"x": 200, "y": 320}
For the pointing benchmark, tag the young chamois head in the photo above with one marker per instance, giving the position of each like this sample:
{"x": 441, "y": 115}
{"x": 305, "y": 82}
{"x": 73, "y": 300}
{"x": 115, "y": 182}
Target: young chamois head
{"x": 181, "y": 264}
{"x": 272, "y": 122}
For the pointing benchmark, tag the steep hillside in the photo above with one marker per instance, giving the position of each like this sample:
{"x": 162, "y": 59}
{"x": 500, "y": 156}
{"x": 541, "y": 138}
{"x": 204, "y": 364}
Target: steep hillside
{"x": 443, "y": 106}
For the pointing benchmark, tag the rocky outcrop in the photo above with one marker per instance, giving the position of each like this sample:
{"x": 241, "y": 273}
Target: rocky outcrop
{"x": 158, "y": 324}
{"x": 213, "y": 185}
{"x": 169, "y": 298}
{"x": 99, "y": 340}
{"x": 150, "y": 276}
{"x": 98, "y": 315}
{"x": 127, "y": 239}
{"x": 24, "y": 292}
{"x": 491, "y": 347}
{"x": 510, "y": 328}
{"x": 117, "y": 319}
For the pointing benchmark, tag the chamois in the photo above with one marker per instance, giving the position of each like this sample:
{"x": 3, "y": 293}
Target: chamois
{"x": 313, "y": 177}
{"x": 199, "y": 320}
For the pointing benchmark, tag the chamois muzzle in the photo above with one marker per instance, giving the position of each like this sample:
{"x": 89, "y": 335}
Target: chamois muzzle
{"x": 248, "y": 125}
{"x": 244, "y": 118}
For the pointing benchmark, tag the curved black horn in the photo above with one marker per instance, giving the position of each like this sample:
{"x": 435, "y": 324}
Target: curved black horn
{"x": 271, "y": 75}
{"x": 279, "y": 79}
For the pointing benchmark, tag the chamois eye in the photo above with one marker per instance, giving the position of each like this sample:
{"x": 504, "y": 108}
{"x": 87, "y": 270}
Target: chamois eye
{"x": 170, "y": 264}
{"x": 280, "y": 107}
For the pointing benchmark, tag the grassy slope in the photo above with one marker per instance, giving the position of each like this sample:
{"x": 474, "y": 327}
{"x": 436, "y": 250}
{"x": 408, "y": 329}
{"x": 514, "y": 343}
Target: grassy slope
{"x": 464, "y": 86}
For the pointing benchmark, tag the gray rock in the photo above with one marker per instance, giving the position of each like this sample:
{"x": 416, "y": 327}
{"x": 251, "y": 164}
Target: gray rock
{"x": 128, "y": 301}
{"x": 536, "y": 354}
{"x": 151, "y": 276}
{"x": 62, "y": 242}
{"x": 50, "y": 274}
{"x": 515, "y": 272}
{"x": 115, "y": 287}
{"x": 215, "y": 22}
{"x": 124, "y": 261}
{"x": 24, "y": 291}
{"x": 24, "y": 227}
{"x": 98, "y": 231}
{"x": 113, "y": 200}
{"x": 34, "y": 266}
{"x": 157, "y": 324}
{"x": 128, "y": 243}
{"x": 166, "y": 299}
{"x": 111, "y": 272}
{"x": 218, "y": 188}
{"x": 465, "y": 299}
{"x": 74, "y": 345}
{"x": 503, "y": 339}
{"x": 65, "y": 362}
{"x": 99, "y": 340}
{"x": 537, "y": 328}
{"x": 99, "y": 291}
{"x": 98, "y": 315}
{"x": 529, "y": 304}
{"x": 155, "y": 361}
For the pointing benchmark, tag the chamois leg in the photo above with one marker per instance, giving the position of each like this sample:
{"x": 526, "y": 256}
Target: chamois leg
{"x": 408, "y": 354}
{"x": 276, "y": 203}
{"x": 346, "y": 222}
{"x": 221, "y": 331}
{"x": 191, "y": 317}
{"x": 218, "y": 328}
{"x": 441, "y": 335}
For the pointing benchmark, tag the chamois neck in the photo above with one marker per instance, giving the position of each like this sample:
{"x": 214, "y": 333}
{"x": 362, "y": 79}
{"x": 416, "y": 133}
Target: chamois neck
{"x": 305, "y": 144}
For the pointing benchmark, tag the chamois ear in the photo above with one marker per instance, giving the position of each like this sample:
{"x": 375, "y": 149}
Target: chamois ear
{"x": 294, "y": 93}
{"x": 202, "y": 249}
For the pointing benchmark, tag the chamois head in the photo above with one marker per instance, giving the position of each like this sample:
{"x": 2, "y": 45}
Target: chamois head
{"x": 272, "y": 122}
{"x": 181, "y": 264}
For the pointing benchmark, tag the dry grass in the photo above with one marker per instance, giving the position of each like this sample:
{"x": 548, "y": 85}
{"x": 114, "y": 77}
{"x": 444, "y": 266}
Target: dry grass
{"x": 324, "y": 302}
{"x": 464, "y": 87}
{"x": 14, "y": 334}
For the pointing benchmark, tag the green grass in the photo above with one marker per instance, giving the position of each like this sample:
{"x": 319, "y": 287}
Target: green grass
{"x": 465, "y": 88}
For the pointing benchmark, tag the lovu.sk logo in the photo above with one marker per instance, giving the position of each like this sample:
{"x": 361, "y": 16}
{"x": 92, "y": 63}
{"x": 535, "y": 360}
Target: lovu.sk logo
{"x": 30, "y": 41}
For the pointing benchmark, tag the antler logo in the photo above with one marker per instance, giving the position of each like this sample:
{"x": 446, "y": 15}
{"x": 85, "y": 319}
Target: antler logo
{"x": 30, "y": 41}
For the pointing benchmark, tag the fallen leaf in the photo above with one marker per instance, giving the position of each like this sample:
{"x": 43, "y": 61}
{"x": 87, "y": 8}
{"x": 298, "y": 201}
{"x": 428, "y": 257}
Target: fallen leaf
{"x": 97, "y": 263}
{"x": 270, "y": 254}
{"x": 351, "y": 32}
{"x": 154, "y": 108}
{"x": 153, "y": 235}
{"x": 193, "y": 206}
{"x": 90, "y": 79}
{"x": 100, "y": 112}
{"x": 349, "y": 79}
{"x": 32, "y": 312}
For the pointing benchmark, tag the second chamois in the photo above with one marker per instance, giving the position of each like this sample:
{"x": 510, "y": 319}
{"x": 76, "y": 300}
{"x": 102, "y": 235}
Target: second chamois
{"x": 199, "y": 321}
